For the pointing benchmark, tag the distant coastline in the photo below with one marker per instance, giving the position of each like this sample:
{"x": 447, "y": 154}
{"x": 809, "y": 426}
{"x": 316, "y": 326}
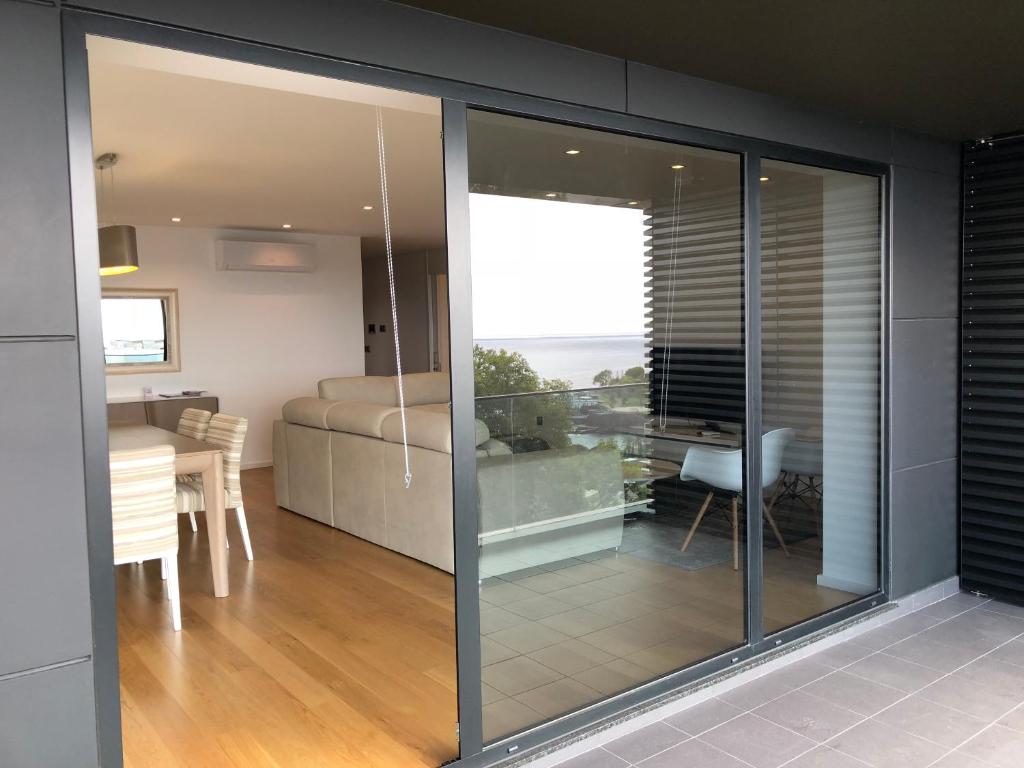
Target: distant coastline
{"x": 575, "y": 358}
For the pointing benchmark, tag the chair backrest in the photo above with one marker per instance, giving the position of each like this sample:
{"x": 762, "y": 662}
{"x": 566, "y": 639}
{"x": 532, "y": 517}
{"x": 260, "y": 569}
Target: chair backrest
{"x": 723, "y": 468}
{"x": 228, "y": 433}
{"x": 773, "y": 447}
{"x": 194, "y": 423}
{"x": 142, "y": 503}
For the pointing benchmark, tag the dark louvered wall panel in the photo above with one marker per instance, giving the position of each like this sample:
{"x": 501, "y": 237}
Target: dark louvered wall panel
{"x": 992, "y": 404}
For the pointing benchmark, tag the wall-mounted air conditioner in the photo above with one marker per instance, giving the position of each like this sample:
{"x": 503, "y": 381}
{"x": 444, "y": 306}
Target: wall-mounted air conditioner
{"x": 241, "y": 256}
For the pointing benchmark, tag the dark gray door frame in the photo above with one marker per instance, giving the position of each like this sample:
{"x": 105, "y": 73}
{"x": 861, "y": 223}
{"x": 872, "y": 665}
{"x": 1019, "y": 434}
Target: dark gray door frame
{"x": 456, "y": 97}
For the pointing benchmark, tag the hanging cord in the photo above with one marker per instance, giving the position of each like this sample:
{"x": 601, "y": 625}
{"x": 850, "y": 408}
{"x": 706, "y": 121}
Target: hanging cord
{"x": 391, "y": 287}
{"x": 666, "y": 360}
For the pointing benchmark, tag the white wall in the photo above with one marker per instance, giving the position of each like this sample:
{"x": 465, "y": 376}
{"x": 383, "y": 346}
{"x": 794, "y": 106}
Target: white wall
{"x": 253, "y": 339}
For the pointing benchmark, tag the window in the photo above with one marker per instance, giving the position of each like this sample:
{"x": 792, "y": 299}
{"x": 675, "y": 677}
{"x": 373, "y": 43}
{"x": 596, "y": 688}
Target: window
{"x": 140, "y": 330}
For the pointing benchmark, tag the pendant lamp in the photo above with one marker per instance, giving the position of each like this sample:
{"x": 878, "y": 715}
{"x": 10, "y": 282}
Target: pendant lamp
{"x": 119, "y": 251}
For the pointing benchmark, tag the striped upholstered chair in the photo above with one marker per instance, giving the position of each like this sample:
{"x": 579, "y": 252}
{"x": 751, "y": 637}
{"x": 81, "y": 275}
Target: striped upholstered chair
{"x": 228, "y": 432}
{"x": 194, "y": 423}
{"x": 145, "y": 517}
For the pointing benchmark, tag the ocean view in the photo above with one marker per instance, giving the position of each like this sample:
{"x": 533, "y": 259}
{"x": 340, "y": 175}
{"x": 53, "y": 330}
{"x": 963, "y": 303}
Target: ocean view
{"x": 576, "y": 358}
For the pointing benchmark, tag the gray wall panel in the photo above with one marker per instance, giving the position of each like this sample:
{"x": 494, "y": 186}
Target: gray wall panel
{"x": 925, "y": 153}
{"x": 692, "y": 101}
{"x": 924, "y": 533}
{"x": 46, "y": 719}
{"x": 925, "y": 245}
{"x": 924, "y": 386}
{"x": 401, "y": 37}
{"x": 35, "y": 252}
{"x": 44, "y": 579}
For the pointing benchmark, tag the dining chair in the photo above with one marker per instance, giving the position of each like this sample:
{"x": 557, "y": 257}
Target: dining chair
{"x": 144, "y": 514}
{"x": 193, "y": 423}
{"x": 722, "y": 470}
{"x": 228, "y": 433}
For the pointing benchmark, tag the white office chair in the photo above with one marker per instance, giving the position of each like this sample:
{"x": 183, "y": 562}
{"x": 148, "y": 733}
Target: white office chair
{"x": 722, "y": 469}
{"x": 802, "y": 471}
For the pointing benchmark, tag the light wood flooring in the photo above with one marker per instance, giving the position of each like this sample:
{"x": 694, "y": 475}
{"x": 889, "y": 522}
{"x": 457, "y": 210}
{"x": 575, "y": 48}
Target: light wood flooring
{"x": 331, "y": 651}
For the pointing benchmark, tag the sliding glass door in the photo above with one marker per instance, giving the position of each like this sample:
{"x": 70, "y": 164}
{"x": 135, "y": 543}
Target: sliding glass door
{"x": 821, "y": 257}
{"x": 607, "y": 279}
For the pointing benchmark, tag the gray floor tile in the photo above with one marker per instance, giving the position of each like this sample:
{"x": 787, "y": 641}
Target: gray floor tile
{"x": 1010, "y": 653}
{"x": 571, "y": 656}
{"x": 980, "y": 631}
{"x": 595, "y": 758}
{"x": 951, "y": 606}
{"x": 757, "y": 741}
{"x": 646, "y": 742}
{"x": 894, "y": 631}
{"x": 932, "y": 721}
{"x": 854, "y": 693}
{"x": 826, "y": 757}
{"x": 704, "y": 716}
{"x": 808, "y": 715}
{"x": 897, "y": 673}
{"x": 961, "y": 693}
{"x": 538, "y": 607}
{"x": 929, "y": 652}
{"x": 691, "y": 753}
{"x": 528, "y": 637}
{"x": 517, "y": 675}
{"x": 1014, "y": 720}
{"x": 885, "y": 747}
{"x": 559, "y": 697}
{"x": 758, "y": 692}
{"x": 960, "y": 759}
{"x": 999, "y": 746}
{"x": 841, "y": 655}
{"x": 801, "y": 672}
{"x": 1005, "y": 608}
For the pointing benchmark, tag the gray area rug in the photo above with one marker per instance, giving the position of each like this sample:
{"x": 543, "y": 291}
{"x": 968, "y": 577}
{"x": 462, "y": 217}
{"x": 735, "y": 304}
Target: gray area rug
{"x": 658, "y": 539}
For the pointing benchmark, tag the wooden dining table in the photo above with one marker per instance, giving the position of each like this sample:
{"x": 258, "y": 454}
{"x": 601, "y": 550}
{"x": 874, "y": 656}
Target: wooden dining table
{"x": 190, "y": 456}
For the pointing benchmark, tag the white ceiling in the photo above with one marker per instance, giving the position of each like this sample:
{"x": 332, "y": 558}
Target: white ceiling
{"x": 227, "y": 144}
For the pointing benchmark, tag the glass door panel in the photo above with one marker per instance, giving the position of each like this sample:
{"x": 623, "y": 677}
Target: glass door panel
{"x": 821, "y": 273}
{"x": 607, "y": 276}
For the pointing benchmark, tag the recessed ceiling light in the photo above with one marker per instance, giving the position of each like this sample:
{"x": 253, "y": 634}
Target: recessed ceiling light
{"x": 573, "y": 151}
{"x": 632, "y": 202}
{"x": 176, "y": 219}
{"x": 765, "y": 178}
{"x": 678, "y": 166}
{"x": 286, "y": 226}
{"x": 551, "y": 194}
{"x": 367, "y": 207}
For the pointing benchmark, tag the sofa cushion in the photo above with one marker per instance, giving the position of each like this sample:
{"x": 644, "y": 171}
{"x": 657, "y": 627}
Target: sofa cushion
{"x": 426, "y": 429}
{"x": 308, "y": 411}
{"x": 379, "y": 390}
{"x": 358, "y": 418}
{"x": 423, "y": 388}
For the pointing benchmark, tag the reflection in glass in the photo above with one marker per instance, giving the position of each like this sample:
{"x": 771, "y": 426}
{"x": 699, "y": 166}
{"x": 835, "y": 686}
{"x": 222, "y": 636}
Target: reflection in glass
{"x": 821, "y": 293}
{"x": 609, "y": 367}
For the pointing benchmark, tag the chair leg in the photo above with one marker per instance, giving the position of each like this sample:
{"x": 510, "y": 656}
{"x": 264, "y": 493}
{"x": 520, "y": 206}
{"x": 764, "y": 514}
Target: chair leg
{"x": 173, "y": 590}
{"x": 244, "y": 526}
{"x": 192, "y": 519}
{"x": 774, "y": 527}
{"x": 696, "y": 523}
{"x": 735, "y": 534}
{"x": 163, "y": 568}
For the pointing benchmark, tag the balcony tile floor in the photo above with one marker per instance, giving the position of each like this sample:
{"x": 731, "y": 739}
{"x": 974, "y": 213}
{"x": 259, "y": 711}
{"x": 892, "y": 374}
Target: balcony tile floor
{"x": 942, "y": 687}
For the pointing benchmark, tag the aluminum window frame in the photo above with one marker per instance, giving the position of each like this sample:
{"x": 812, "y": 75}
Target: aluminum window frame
{"x": 457, "y": 98}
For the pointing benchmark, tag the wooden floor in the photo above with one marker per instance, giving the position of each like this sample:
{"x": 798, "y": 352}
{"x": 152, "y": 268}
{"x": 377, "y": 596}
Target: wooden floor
{"x": 331, "y": 651}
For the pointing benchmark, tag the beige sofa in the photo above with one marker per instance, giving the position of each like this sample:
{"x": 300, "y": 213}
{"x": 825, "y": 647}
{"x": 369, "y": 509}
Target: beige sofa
{"x": 338, "y": 458}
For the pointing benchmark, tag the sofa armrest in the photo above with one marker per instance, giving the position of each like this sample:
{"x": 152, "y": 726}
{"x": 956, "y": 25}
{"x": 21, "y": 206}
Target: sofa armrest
{"x": 307, "y": 411}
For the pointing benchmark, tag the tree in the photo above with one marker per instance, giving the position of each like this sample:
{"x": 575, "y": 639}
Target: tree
{"x": 604, "y": 378}
{"x": 524, "y": 414}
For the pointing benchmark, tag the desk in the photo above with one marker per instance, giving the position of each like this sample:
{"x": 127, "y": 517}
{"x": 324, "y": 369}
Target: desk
{"x": 189, "y": 456}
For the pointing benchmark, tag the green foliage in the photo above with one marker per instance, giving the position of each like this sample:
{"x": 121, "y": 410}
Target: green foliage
{"x": 542, "y": 416}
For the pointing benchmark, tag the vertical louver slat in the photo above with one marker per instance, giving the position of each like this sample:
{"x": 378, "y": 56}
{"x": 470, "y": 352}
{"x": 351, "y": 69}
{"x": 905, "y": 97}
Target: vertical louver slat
{"x": 992, "y": 389}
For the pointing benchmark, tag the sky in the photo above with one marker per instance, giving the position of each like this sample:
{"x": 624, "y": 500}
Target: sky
{"x": 132, "y": 319}
{"x": 552, "y": 268}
